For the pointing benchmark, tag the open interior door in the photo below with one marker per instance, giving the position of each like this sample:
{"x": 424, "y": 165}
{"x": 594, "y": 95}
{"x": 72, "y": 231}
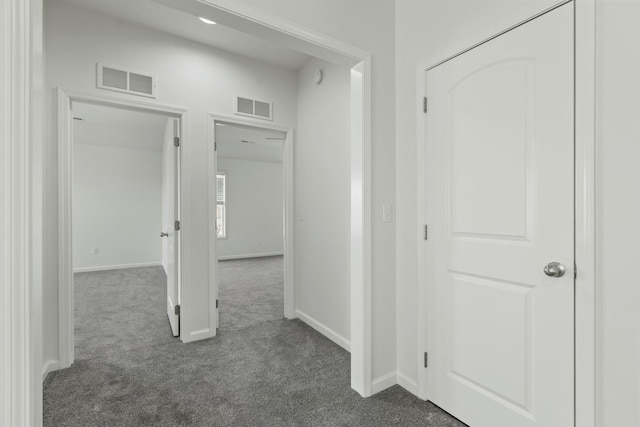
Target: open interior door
{"x": 171, "y": 220}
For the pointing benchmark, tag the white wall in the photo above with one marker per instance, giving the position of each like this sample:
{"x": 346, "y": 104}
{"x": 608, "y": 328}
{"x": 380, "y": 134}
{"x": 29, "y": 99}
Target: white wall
{"x": 116, "y": 207}
{"x": 322, "y": 198}
{"x": 368, "y": 25}
{"x": 254, "y": 208}
{"x": 189, "y": 75}
{"x": 618, "y": 216}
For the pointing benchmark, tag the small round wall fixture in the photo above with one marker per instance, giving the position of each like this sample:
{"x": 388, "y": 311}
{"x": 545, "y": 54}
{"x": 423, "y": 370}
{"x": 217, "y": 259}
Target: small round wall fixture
{"x": 317, "y": 77}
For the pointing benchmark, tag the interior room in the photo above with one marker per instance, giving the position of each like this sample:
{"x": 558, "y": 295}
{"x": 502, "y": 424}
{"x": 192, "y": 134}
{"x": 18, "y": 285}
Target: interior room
{"x": 250, "y": 225}
{"x": 458, "y": 213}
{"x": 120, "y": 199}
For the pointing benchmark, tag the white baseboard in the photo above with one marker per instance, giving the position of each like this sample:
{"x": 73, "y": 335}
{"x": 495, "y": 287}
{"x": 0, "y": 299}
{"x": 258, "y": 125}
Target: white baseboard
{"x": 49, "y": 366}
{"x": 407, "y": 383}
{"x": 384, "y": 382}
{"x": 260, "y": 255}
{"x": 116, "y": 267}
{"x": 327, "y": 332}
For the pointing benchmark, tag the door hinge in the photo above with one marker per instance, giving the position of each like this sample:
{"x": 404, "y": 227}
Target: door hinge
{"x": 176, "y": 225}
{"x": 425, "y": 233}
{"x": 575, "y": 271}
{"x": 215, "y": 146}
{"x": 426, "y": 359}
{"x": 216, "y": 303}
{"x": 176, "y": 141}
{"x": 176, "y": 310}
{"x": 424, "y": 104}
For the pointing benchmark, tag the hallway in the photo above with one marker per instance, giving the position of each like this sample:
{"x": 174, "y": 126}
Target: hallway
{"x": 260, "y": 371}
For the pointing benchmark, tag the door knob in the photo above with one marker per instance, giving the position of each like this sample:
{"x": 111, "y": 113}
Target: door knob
{"x": 554, "y": 269}
{"x": 164, "y": 234}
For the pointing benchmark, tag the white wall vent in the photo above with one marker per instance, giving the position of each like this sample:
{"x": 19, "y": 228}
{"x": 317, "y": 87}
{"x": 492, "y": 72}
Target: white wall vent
{"x": 127, "y": 81}
{"x": 253, "y": 108}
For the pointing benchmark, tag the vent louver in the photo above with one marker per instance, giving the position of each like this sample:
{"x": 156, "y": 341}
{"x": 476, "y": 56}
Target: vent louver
{"x": 253, "y": 108}
{"x": 127, "y": 81}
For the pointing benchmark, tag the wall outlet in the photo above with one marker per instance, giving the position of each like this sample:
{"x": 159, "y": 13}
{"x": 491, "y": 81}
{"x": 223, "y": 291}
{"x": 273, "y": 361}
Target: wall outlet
{"x": 94, "y": 251}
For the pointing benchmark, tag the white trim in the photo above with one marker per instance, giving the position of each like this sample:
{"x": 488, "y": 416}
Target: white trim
{"x": 585, "y": 321}
{"x": 585, "y": 210}
{"x": 324, "y": 330}
{"x": 49, "y": 366}
{"x": 65, "y": 186}
{"x": 360, "y": 252}
{"x": 383, "y": 382}
{"x": 116, "y": 267}
{"x": 260, "y": 255}
{"x": 289, "y": 225}
{"x": 421, "y": 250}
{"x": 407, "y": 383}
{"x": 21, "y": 193}
{"x": 65, "y": 238}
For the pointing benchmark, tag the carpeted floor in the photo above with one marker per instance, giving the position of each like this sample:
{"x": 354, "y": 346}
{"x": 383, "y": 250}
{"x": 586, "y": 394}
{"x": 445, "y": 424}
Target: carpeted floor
{"x": 261, "y": 370}
{"x": 251, "y": 292}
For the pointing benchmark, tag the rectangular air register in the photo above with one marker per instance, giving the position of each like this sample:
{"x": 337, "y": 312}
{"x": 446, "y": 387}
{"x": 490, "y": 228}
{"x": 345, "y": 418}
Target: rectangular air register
{"x": 253, "y": 108}
{"x": 127, "y": 81}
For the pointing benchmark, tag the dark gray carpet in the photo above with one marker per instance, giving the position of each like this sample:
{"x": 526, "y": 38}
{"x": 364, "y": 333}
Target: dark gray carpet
{"x": 130, "y": 371}
{"x": 251, "y": 291}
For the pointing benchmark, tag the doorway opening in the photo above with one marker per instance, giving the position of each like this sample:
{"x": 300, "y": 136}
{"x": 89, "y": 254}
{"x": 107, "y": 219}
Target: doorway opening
{"x": 120, "y": 202}
{"x": 249, "y": 224}
{"x": 251, "y": 227}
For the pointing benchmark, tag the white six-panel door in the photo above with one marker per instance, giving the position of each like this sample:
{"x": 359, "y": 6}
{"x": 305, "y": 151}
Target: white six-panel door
{"x": 500, "y": 156}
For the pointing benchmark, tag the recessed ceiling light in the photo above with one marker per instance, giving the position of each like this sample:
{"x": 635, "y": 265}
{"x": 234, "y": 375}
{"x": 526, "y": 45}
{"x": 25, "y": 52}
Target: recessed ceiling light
{"x": 207, "y": 21}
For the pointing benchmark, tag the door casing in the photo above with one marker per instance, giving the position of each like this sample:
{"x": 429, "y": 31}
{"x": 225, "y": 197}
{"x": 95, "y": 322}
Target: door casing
{"x": 287, "y": 163}
{"x": 585, "y": 190}
{"x": 65, "y": 98}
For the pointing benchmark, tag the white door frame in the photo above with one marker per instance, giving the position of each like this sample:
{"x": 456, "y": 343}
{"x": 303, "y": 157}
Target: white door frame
{"x": 21, "y": 204}
{"x": 65, "y": 98}
{"x": 585, "y": 295}
{"x": 287, "y": 164}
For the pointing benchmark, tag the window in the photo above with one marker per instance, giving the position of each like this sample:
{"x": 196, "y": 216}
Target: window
{"x": 221, "y": 209}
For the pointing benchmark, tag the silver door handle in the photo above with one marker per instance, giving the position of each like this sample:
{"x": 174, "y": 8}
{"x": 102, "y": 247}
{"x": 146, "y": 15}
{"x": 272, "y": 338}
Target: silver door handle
{"x": 164, "y": 234}
{"x": 554, "y": 269}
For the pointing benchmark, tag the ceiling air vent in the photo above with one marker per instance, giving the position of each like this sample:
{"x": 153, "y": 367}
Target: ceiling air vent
{"x": 253, "y": 108}
{"x": 127, "y": 81}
